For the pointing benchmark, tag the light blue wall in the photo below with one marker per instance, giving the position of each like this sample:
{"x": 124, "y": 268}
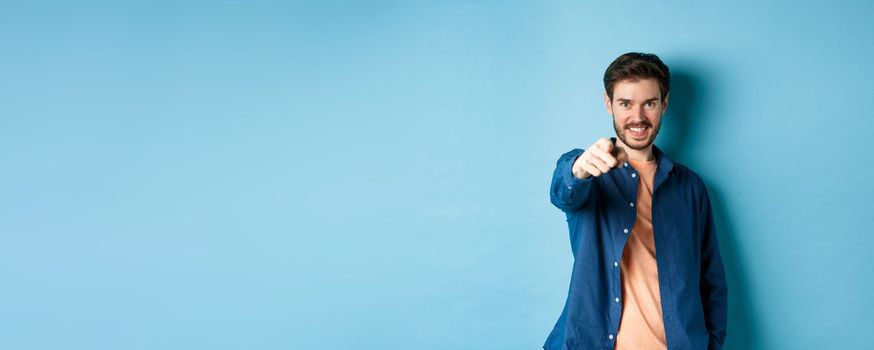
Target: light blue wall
{"x": 374, "y": 175}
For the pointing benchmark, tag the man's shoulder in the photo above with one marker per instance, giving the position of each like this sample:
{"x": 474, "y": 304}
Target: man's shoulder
{"x": 570, "y": 155}
{"x": 573, "y": 152}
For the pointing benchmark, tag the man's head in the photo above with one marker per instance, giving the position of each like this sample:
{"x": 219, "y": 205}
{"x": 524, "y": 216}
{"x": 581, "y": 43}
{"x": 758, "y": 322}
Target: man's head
{"x": 636, "y": 87}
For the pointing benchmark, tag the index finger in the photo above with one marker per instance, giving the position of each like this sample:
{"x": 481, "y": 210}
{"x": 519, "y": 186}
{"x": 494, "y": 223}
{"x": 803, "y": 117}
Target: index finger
{"x": 605, "y": 144}
{"x": 604, "y": 156}
{"x": 620, "y": 155}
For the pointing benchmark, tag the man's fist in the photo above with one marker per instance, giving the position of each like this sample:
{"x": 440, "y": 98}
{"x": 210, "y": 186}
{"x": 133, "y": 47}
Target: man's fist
{"x": 599, "y": 159}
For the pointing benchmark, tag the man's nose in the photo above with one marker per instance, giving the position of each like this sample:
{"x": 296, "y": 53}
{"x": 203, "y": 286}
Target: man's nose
{"x": 637, "y": 114}
{"x": 640, "y": 112}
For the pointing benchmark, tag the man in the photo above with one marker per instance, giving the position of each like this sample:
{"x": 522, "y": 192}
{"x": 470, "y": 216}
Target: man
{"x": 647, "y": 270}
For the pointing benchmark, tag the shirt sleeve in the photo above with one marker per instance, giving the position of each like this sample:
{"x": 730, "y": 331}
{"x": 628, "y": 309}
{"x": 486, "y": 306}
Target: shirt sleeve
{"x": 714, "y": 290}
{"x": 567, "y": 192}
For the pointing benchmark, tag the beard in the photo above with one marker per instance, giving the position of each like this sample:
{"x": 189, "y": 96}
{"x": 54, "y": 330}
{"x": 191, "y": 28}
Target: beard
{"x": 633, "y": 143}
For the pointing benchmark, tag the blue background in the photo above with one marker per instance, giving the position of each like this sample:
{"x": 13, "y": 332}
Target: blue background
{"x": 374, "y": 175}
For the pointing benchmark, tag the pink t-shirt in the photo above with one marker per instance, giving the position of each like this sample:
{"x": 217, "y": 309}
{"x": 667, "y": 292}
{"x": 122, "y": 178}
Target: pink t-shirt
{"x": 641, "y": 327}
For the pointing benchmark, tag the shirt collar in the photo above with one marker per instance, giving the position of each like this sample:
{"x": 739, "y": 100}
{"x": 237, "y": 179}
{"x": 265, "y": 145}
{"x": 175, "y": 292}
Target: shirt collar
{"x": 665, "y": 165}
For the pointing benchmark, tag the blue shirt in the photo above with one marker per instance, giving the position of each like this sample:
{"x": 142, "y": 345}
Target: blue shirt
{"x": 691, "y": 276}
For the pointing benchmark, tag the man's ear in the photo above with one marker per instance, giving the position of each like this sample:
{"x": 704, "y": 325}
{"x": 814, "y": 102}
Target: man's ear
{"x": 665, "y": 102}
{"x": 607, "y": 103}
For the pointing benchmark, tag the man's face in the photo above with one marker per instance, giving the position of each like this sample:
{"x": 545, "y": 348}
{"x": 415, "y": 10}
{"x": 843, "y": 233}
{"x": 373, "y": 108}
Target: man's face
{"x": 637, "y": 110}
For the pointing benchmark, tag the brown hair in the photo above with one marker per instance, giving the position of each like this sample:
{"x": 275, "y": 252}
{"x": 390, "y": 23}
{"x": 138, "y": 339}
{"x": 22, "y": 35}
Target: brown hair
{"x": 635, "y": 66}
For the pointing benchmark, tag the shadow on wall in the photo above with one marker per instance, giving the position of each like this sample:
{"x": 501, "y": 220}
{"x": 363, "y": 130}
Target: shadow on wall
{"x": 687, "y": 113}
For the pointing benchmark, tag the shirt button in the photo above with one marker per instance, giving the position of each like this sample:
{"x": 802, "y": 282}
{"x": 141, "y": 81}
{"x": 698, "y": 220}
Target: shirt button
{"x": 626, "y": 163}
{"x": 633, "y": 175}
{"x": 610, "y": 336}
{"x": 631, "y": 204}
{"x": 615, "y": 263}
{"x": 625, "y": 230}
{"x": 617, "y": 300}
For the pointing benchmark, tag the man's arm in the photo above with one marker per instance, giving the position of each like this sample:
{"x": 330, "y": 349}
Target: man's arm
{"x": 714, "y": 289}
{"x": 572, "y": 179}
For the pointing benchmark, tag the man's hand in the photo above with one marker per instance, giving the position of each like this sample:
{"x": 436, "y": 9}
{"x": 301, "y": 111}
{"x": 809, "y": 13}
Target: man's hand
{"x": 599, "y": 159}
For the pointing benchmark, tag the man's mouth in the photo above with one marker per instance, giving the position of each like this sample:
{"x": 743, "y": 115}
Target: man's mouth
{"x": 638, "y": 132}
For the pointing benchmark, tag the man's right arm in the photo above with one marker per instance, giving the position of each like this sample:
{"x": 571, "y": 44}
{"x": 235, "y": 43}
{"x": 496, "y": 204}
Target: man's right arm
{"x": 575, "y": 170}
{"x": 567, "y": 191}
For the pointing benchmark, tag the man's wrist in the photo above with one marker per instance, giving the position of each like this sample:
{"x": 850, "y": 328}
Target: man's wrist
{"x": 580, "y": 174}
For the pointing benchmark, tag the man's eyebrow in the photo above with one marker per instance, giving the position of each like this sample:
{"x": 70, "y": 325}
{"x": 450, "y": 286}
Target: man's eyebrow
{"x": 627, "y": 100}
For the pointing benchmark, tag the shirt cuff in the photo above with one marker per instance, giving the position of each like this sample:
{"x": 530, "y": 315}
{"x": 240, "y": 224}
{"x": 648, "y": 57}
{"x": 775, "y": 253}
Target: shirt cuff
{"x": 572, "y": 181}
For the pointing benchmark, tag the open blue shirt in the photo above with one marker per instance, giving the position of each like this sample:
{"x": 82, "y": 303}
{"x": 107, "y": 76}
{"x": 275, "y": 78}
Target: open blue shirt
{"x": 691, "y": 276}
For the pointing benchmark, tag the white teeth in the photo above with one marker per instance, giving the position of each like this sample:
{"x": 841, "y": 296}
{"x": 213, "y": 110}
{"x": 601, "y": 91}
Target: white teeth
{"x": 638, "y": 129}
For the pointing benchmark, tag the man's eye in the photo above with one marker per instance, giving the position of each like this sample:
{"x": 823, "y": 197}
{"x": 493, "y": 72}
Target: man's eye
{"x": 650, "y": 104}
{"x": 623, "y": 104}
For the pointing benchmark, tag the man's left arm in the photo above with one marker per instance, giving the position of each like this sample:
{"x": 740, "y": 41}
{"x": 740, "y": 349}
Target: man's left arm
{"x": 714, "y": 289}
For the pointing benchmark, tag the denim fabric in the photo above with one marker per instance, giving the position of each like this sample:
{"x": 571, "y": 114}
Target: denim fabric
{"x": 692, "y": 284}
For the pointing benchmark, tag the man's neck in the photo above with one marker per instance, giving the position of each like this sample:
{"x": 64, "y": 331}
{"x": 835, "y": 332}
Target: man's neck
{"x": 645, "y": 154}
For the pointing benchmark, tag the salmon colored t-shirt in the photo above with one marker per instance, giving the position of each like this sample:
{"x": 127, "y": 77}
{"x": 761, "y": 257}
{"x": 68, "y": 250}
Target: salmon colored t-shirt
{"x": 641, "y": 326}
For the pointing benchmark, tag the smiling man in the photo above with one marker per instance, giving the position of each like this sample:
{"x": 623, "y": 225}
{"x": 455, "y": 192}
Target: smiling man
{"x": 647, "y": 270}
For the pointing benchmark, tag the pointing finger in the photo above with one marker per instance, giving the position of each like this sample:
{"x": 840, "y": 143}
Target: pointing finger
{"x": 605, "y": 157}
{"x": 621, "y": 156}
{"x": 605, "y": 144}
